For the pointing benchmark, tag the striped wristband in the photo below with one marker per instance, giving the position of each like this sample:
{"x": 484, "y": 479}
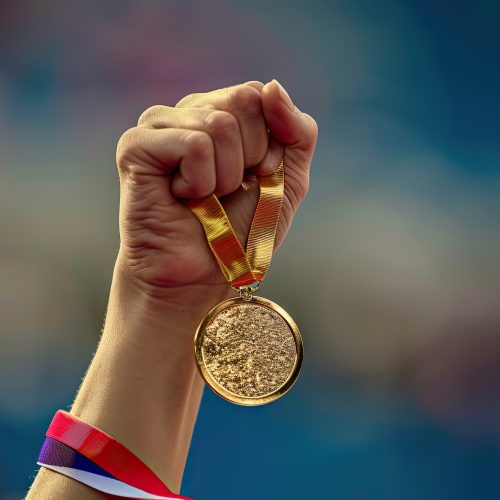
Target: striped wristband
{"x": 81, "y": 451}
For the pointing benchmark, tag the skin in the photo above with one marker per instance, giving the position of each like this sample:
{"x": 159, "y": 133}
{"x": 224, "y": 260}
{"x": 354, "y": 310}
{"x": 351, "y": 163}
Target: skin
{"x": 142, "y": 386}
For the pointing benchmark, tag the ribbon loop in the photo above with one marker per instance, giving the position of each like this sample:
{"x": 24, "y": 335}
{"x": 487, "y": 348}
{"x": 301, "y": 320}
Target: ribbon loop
{"x": 242, "y": 268}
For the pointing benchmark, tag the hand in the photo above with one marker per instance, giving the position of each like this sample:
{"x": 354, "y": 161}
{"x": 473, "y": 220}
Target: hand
{"x": 209, "y": 142}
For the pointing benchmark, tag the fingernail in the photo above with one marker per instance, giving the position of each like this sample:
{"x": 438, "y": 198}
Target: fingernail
{"x": 285, "y": 97}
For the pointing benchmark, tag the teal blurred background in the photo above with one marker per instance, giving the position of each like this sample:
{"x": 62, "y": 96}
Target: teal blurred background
{"x": 392, "y": 268}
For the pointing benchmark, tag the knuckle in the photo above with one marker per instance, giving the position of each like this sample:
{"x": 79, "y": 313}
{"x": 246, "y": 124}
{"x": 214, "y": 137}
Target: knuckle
{"x": 129, "y": 136}
{"x": 247, "y": 98}
{"x": 198, "y": 143}
{"x": 256, "y": 84}
{"x": 188, "y": 100}
{"x": 150, "y": 114}
{"x": 221, "y": 124}
{"x": 127, "y": 142}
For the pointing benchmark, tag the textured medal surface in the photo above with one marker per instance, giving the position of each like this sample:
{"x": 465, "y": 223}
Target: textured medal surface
{"x": 249, "y": 352}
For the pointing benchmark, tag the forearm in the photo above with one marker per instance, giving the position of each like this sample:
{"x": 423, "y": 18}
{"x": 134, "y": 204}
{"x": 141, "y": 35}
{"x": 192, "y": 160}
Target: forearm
{"x": 142, "y": 386}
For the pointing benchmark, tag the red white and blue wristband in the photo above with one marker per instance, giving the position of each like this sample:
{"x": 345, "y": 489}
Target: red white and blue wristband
{"x": 85, "y": 453}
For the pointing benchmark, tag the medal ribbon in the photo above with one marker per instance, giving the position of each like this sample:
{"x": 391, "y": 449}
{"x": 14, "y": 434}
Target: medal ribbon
{"x": 242, "y": 268}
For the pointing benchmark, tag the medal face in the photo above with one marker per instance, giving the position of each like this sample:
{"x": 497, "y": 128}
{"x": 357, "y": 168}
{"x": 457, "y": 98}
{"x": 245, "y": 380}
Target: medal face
{"x": 248, "y": 352}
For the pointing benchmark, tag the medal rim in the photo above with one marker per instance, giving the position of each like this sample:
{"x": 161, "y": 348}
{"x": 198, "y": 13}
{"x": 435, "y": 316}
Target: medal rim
{"x": 225, "y": 393}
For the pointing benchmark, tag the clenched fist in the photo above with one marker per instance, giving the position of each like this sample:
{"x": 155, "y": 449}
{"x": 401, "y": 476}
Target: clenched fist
{"x": 217, "y": 141}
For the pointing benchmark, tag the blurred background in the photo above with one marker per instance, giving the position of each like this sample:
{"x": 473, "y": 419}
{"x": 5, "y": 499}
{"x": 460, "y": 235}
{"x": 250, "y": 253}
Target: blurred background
{"x": 392, "y": 268}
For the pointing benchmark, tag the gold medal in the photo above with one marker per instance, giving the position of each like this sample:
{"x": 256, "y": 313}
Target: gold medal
{"x": 248, "y": 352}
{"x": 248, "y": 349}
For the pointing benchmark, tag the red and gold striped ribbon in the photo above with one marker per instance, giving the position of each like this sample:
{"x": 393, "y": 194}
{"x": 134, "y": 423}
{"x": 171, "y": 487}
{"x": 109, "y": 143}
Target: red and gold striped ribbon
{"x": 242, "y": 268}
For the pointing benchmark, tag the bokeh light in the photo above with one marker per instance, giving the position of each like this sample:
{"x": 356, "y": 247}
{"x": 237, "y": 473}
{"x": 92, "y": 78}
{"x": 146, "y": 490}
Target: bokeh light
{"x": 392, "y": 268}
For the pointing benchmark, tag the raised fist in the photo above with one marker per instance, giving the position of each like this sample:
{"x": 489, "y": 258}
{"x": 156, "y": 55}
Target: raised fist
{"x": 217, "y": 141}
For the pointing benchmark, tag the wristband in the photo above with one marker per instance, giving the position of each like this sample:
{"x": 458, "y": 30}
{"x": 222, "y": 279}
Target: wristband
{"x": 85, "y": 453}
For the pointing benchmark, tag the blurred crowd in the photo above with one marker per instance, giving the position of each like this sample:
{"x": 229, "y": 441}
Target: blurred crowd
{"x": 392, "y": 268}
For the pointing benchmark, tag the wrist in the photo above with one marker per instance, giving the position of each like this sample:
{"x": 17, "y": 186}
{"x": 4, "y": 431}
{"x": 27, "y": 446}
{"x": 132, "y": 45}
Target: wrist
{"x": 158, "y": 309}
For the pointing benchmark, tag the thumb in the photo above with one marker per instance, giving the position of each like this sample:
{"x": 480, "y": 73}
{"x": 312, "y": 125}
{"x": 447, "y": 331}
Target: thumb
{"x": 286, "y": 123}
